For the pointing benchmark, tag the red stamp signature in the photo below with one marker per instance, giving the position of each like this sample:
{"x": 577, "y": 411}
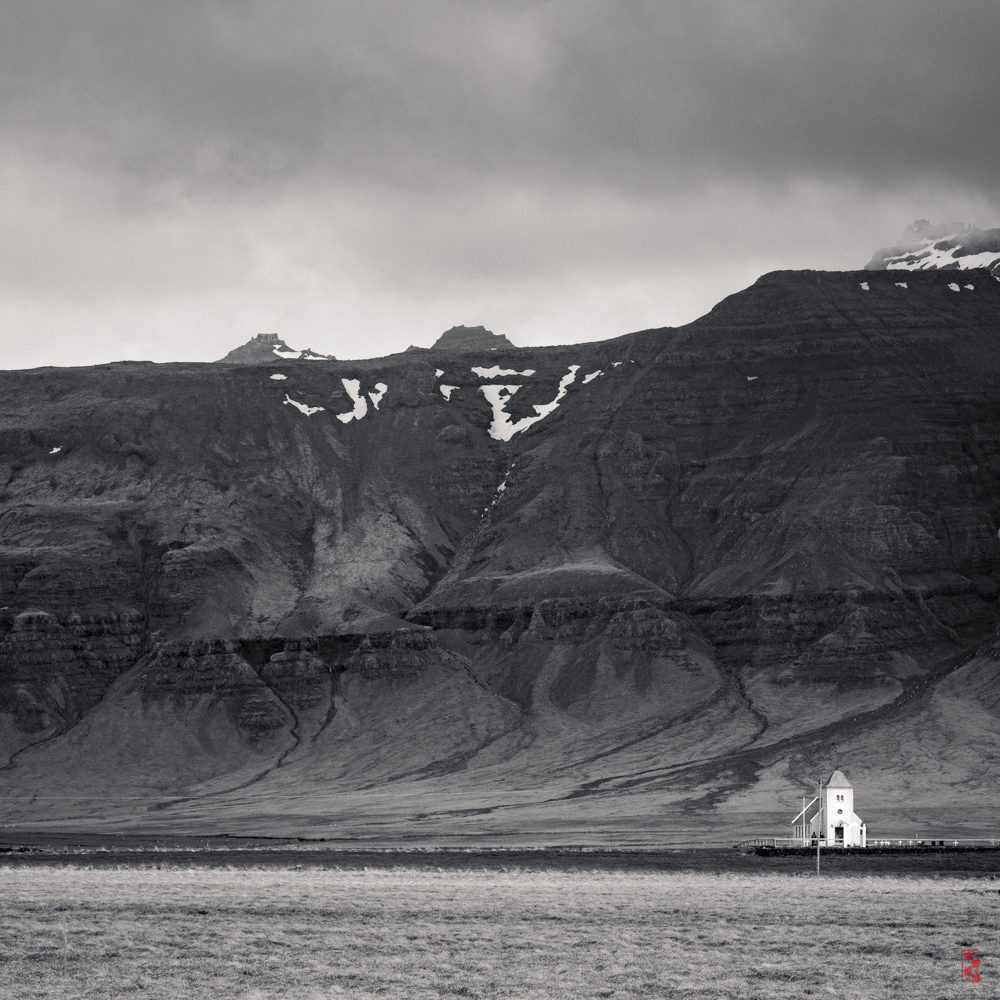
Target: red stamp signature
{"x": 970, "y": 965}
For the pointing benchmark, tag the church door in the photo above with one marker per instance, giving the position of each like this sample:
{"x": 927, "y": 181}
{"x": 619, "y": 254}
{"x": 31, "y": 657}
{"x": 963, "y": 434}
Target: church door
{"x": 838, "y": 836}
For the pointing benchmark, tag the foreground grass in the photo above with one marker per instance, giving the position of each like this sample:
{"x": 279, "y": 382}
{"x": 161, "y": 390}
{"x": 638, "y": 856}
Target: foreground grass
{"x": 211, "y": 932}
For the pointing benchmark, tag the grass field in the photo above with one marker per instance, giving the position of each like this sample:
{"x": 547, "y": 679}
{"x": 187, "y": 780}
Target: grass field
{"x": 205, "y": 932}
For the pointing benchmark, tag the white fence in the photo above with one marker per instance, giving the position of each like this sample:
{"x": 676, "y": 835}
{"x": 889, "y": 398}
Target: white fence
{"x": 921, "y": 841}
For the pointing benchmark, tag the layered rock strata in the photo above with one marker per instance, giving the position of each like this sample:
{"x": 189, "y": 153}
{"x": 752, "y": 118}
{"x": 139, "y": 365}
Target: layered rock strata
{"x": 560, "y": 569}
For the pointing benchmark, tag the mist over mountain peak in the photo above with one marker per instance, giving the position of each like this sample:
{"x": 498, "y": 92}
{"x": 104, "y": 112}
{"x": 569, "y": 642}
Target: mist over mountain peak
{"x": 951, "y": 246}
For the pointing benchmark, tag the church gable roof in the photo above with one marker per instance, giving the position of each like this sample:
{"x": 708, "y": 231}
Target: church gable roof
{"x": 838, "y": 780}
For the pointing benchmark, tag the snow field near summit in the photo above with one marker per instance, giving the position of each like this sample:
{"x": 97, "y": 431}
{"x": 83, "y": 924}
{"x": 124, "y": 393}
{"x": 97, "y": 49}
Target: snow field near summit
{"x": 864, "y": 285}
{"x": 353, "y": 388}
{"x": 954, "y": 287}
{"x": 502, "y": 428}
{"x": 901, "y": 284}
{"x": 496, "y": 372}
{"x": 931, "y": 258}
{"x": 306, "y": 355}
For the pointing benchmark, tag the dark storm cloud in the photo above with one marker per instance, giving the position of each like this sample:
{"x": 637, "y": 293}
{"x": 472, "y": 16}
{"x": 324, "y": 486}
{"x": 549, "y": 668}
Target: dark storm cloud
{"x": 887, "y": 92}
{"x": 617, "y": 94}
{"x": 175, "y": 176}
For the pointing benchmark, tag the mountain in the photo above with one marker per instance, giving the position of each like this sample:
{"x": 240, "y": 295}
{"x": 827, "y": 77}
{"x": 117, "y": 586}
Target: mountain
{"x": 624, "y": 591}
{"x": 266, "y": 348}
{"x": 957, "y": 246}
{"x": 470, "y": 338}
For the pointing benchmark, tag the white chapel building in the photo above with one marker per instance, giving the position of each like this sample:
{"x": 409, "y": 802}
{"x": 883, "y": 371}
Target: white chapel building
{"x": 831, "y": 817}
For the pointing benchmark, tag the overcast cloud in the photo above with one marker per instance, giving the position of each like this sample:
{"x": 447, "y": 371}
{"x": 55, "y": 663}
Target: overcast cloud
{"x": 360, "y": 176}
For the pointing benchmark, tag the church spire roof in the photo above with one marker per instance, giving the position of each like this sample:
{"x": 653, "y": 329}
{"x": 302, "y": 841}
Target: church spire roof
{"x": 838, "y": 780}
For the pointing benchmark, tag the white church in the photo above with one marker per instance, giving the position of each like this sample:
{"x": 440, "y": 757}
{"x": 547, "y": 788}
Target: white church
{"x": 830, "y": 817}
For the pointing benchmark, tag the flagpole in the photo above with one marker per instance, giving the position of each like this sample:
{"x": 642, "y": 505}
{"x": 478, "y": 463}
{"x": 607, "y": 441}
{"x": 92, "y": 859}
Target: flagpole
{"x": 819, "y": 819}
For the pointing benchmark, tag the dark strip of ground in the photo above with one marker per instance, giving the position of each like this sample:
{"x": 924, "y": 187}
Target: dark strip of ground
{"x": 970, "y": 861}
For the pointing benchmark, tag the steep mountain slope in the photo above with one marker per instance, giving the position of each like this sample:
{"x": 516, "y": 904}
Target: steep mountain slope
{"x": 567, "y": 592}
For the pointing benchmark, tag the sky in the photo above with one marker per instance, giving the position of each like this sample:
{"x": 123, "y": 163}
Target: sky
{"x": 360, "y": 176}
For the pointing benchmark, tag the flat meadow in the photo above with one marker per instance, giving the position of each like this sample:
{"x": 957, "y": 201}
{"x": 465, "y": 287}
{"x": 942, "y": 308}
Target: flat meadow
{"x": 199, "y": 931}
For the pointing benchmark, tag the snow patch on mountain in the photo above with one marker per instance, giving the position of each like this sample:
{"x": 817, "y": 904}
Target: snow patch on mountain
{"x": 502, "y": 428}
{"x": 380, "y": 390}
{"x": 306, "y": 355}
{"x": 353, "y": 388}
{"x": 496, "y": 372}
{"x": 447, "y": 390}
{"x": 500, "y": 490}
{"x": 302, "y": 407}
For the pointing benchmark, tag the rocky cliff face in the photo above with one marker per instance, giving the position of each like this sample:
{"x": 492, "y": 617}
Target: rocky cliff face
{"x": 558, "y": 589}
{"x": 470, "y": 338}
